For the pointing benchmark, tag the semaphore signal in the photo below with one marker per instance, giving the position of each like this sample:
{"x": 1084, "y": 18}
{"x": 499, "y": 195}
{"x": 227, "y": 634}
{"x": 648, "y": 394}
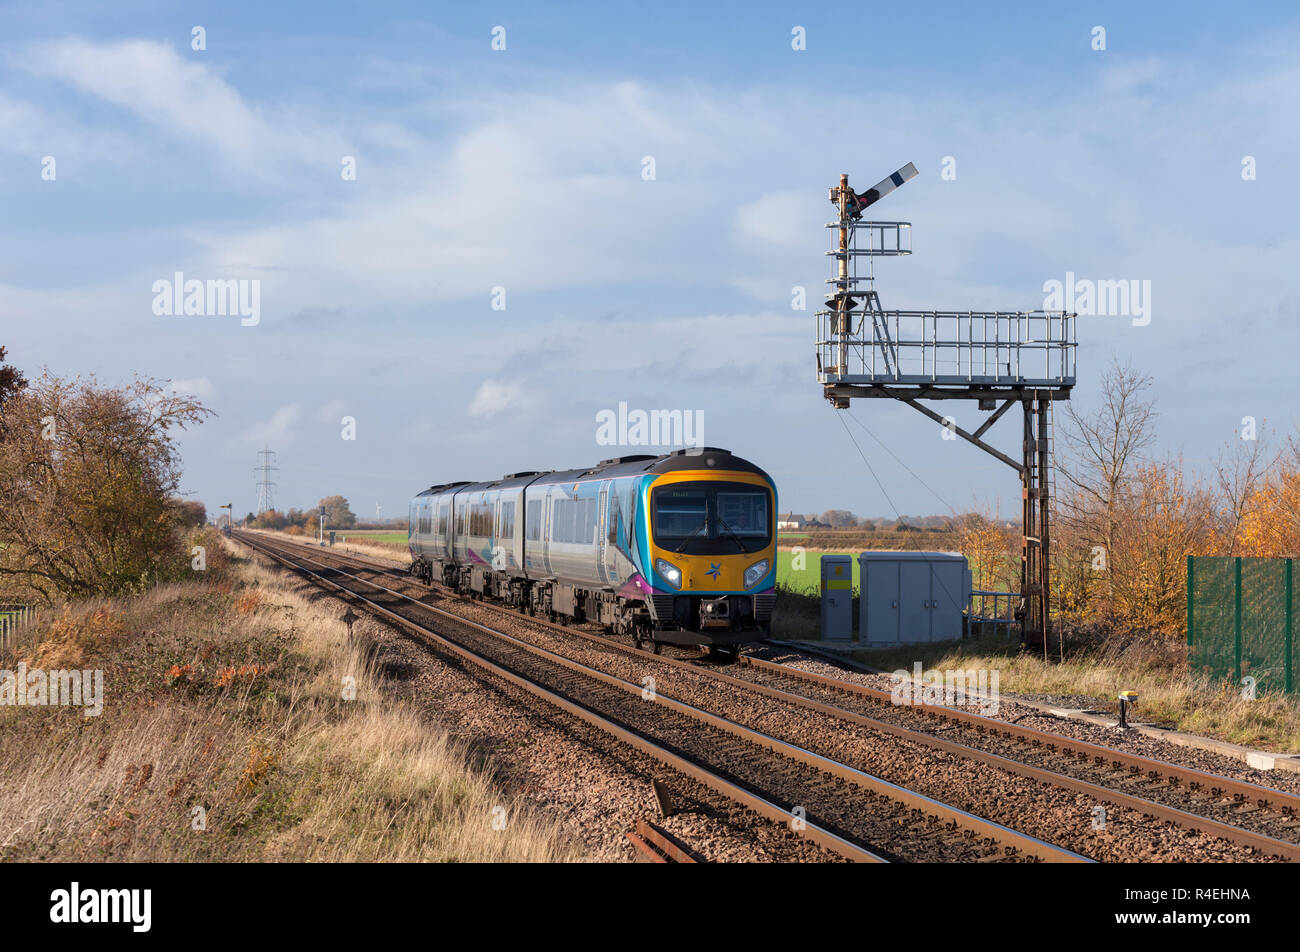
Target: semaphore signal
{"x": 998, "y": 358}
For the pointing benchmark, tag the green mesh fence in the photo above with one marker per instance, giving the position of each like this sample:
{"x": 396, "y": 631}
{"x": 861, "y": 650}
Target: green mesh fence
{"x": 1241, "y": 615}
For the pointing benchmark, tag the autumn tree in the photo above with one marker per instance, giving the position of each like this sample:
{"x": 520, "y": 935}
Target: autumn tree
{"x": 1240, "y": 472}
{"x": 88, "y": 474}
{"x": 839, "y": 518}
{"x": 269, "y": 519}
{"x": 190, "y": 513}
{"x": 301, "y": 517}
{"x": 1164, "y": 517}
{"x": 337, "y": 513}
{"x": 11, "y": 382}
{"x": 1270, "y": 522}
{"x": 991, "y": 550}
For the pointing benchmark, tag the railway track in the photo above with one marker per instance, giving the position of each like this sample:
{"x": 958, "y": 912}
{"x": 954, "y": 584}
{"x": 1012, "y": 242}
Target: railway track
{"x": 1259, "y": 818}
{"x": 1236, "y": 810}
{"x": 844, "y": 810}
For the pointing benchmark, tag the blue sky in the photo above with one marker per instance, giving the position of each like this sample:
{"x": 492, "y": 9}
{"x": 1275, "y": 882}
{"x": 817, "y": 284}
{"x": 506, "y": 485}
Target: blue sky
{"x": 522, "y": 169}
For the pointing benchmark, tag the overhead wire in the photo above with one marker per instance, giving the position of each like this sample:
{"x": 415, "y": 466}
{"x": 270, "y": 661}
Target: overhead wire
{"x": 902, "y": 464}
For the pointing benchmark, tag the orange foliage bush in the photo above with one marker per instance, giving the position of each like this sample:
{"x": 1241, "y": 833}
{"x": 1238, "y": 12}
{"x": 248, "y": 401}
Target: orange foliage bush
{"x": 74, "y": 637}
{"x": 249, "y": 601}
{"x": 228, "y": 676}
{"x": 1271, "y": 524}
{"x": 180, "y": 672}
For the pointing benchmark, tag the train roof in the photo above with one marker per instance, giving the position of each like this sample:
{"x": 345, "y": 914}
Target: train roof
{"x": 707, "y": 457}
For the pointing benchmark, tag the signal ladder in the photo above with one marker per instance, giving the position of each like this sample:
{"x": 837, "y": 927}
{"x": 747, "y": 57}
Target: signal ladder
{"x": 1038, "y": 490}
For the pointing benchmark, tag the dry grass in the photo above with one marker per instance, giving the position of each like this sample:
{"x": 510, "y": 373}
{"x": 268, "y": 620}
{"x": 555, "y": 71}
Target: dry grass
{"x": 1101, "y": 667}
{"x": 797, "y": 616}
{"x": 225, "y": 700}
{"x": 1099, "y": 664}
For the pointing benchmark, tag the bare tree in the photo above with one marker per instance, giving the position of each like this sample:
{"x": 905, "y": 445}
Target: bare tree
{"x": 1102, "y": 450}
{"x": 1240, "y": 473}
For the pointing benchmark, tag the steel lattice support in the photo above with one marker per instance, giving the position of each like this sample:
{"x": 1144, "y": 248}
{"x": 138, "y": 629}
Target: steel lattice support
{"x": 1035, "y": 544}
{"x": 998, "y": 358}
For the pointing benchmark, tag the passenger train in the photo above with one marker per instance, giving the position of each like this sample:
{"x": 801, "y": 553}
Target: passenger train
{"x": 678, "y": 548}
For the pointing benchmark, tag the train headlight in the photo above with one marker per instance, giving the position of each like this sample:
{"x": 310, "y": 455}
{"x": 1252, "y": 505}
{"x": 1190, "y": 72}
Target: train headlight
{"x": 754, "y": 574}
{"x": 670, "y": 573}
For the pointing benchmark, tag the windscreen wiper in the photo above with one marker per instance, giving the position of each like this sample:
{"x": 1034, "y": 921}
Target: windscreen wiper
{"x": 703, "y": 525}
{"x": 732, "y": 532}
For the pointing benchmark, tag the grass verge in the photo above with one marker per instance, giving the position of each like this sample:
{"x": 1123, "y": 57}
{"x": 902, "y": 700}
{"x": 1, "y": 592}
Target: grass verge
{"x": 227, "y": 734}
{"x": 1101, "y": 665}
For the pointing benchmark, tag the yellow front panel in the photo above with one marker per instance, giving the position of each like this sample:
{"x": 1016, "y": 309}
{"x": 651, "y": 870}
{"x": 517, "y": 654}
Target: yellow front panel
{"x": 713, "y": 573}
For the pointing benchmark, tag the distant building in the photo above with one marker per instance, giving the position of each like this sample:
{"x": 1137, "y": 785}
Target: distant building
{"x": 791, "y": 521}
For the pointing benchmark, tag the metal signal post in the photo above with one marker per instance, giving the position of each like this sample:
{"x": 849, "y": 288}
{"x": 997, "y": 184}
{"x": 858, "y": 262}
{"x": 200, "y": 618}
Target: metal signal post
{"x": 997, "y": 358}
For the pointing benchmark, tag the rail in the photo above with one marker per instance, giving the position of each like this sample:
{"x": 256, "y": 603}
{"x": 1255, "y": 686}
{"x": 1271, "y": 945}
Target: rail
{"x": 811, "y": 831}
{"x": 1244, "y": 792}
{"x": 950, "y": 816}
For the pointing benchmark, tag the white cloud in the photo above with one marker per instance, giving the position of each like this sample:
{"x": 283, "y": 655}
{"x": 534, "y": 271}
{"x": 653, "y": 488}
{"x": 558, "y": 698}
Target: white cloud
{"x": 200, "y": 387}
{"x": 467, "y": 188}
{"x": 331, "y": 412}
{"x": 281, "y": 429}
{"x": 180, "y": 97}
{"x": 781, "y": 218}
{"x": 495, "y": 397}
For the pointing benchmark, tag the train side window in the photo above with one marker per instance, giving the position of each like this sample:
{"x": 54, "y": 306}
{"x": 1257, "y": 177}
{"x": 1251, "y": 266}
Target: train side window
{"x": 561, "y": 521}
{"x": 533, "y": 520}
{"x": 565, "y": 521}
{"x": 480, "y": 520}
{"x": 507, "y": 521}
{"x": 613, "y": 520}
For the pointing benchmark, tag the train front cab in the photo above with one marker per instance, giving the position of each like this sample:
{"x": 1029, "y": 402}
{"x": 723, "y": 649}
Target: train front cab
{"x": 713, "y": 556}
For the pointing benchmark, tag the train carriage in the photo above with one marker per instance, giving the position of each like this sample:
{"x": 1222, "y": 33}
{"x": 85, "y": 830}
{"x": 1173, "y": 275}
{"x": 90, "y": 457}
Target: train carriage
{"x": 678, "y": 548}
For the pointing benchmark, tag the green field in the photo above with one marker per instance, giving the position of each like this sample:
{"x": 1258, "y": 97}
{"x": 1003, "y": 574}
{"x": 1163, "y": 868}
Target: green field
{"x": 372, "y": 535}
{"x": 808, "y": 580}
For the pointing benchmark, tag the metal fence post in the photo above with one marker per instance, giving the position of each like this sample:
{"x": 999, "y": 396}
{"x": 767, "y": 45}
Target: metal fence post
{"x": 1237, "y": 624}
{"x": 1189, "y": 601}
{"x": 1287, "y": 629}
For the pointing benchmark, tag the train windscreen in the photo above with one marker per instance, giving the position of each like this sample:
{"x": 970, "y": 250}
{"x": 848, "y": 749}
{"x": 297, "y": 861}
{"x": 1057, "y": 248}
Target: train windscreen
{"x": 711, "y": 518}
